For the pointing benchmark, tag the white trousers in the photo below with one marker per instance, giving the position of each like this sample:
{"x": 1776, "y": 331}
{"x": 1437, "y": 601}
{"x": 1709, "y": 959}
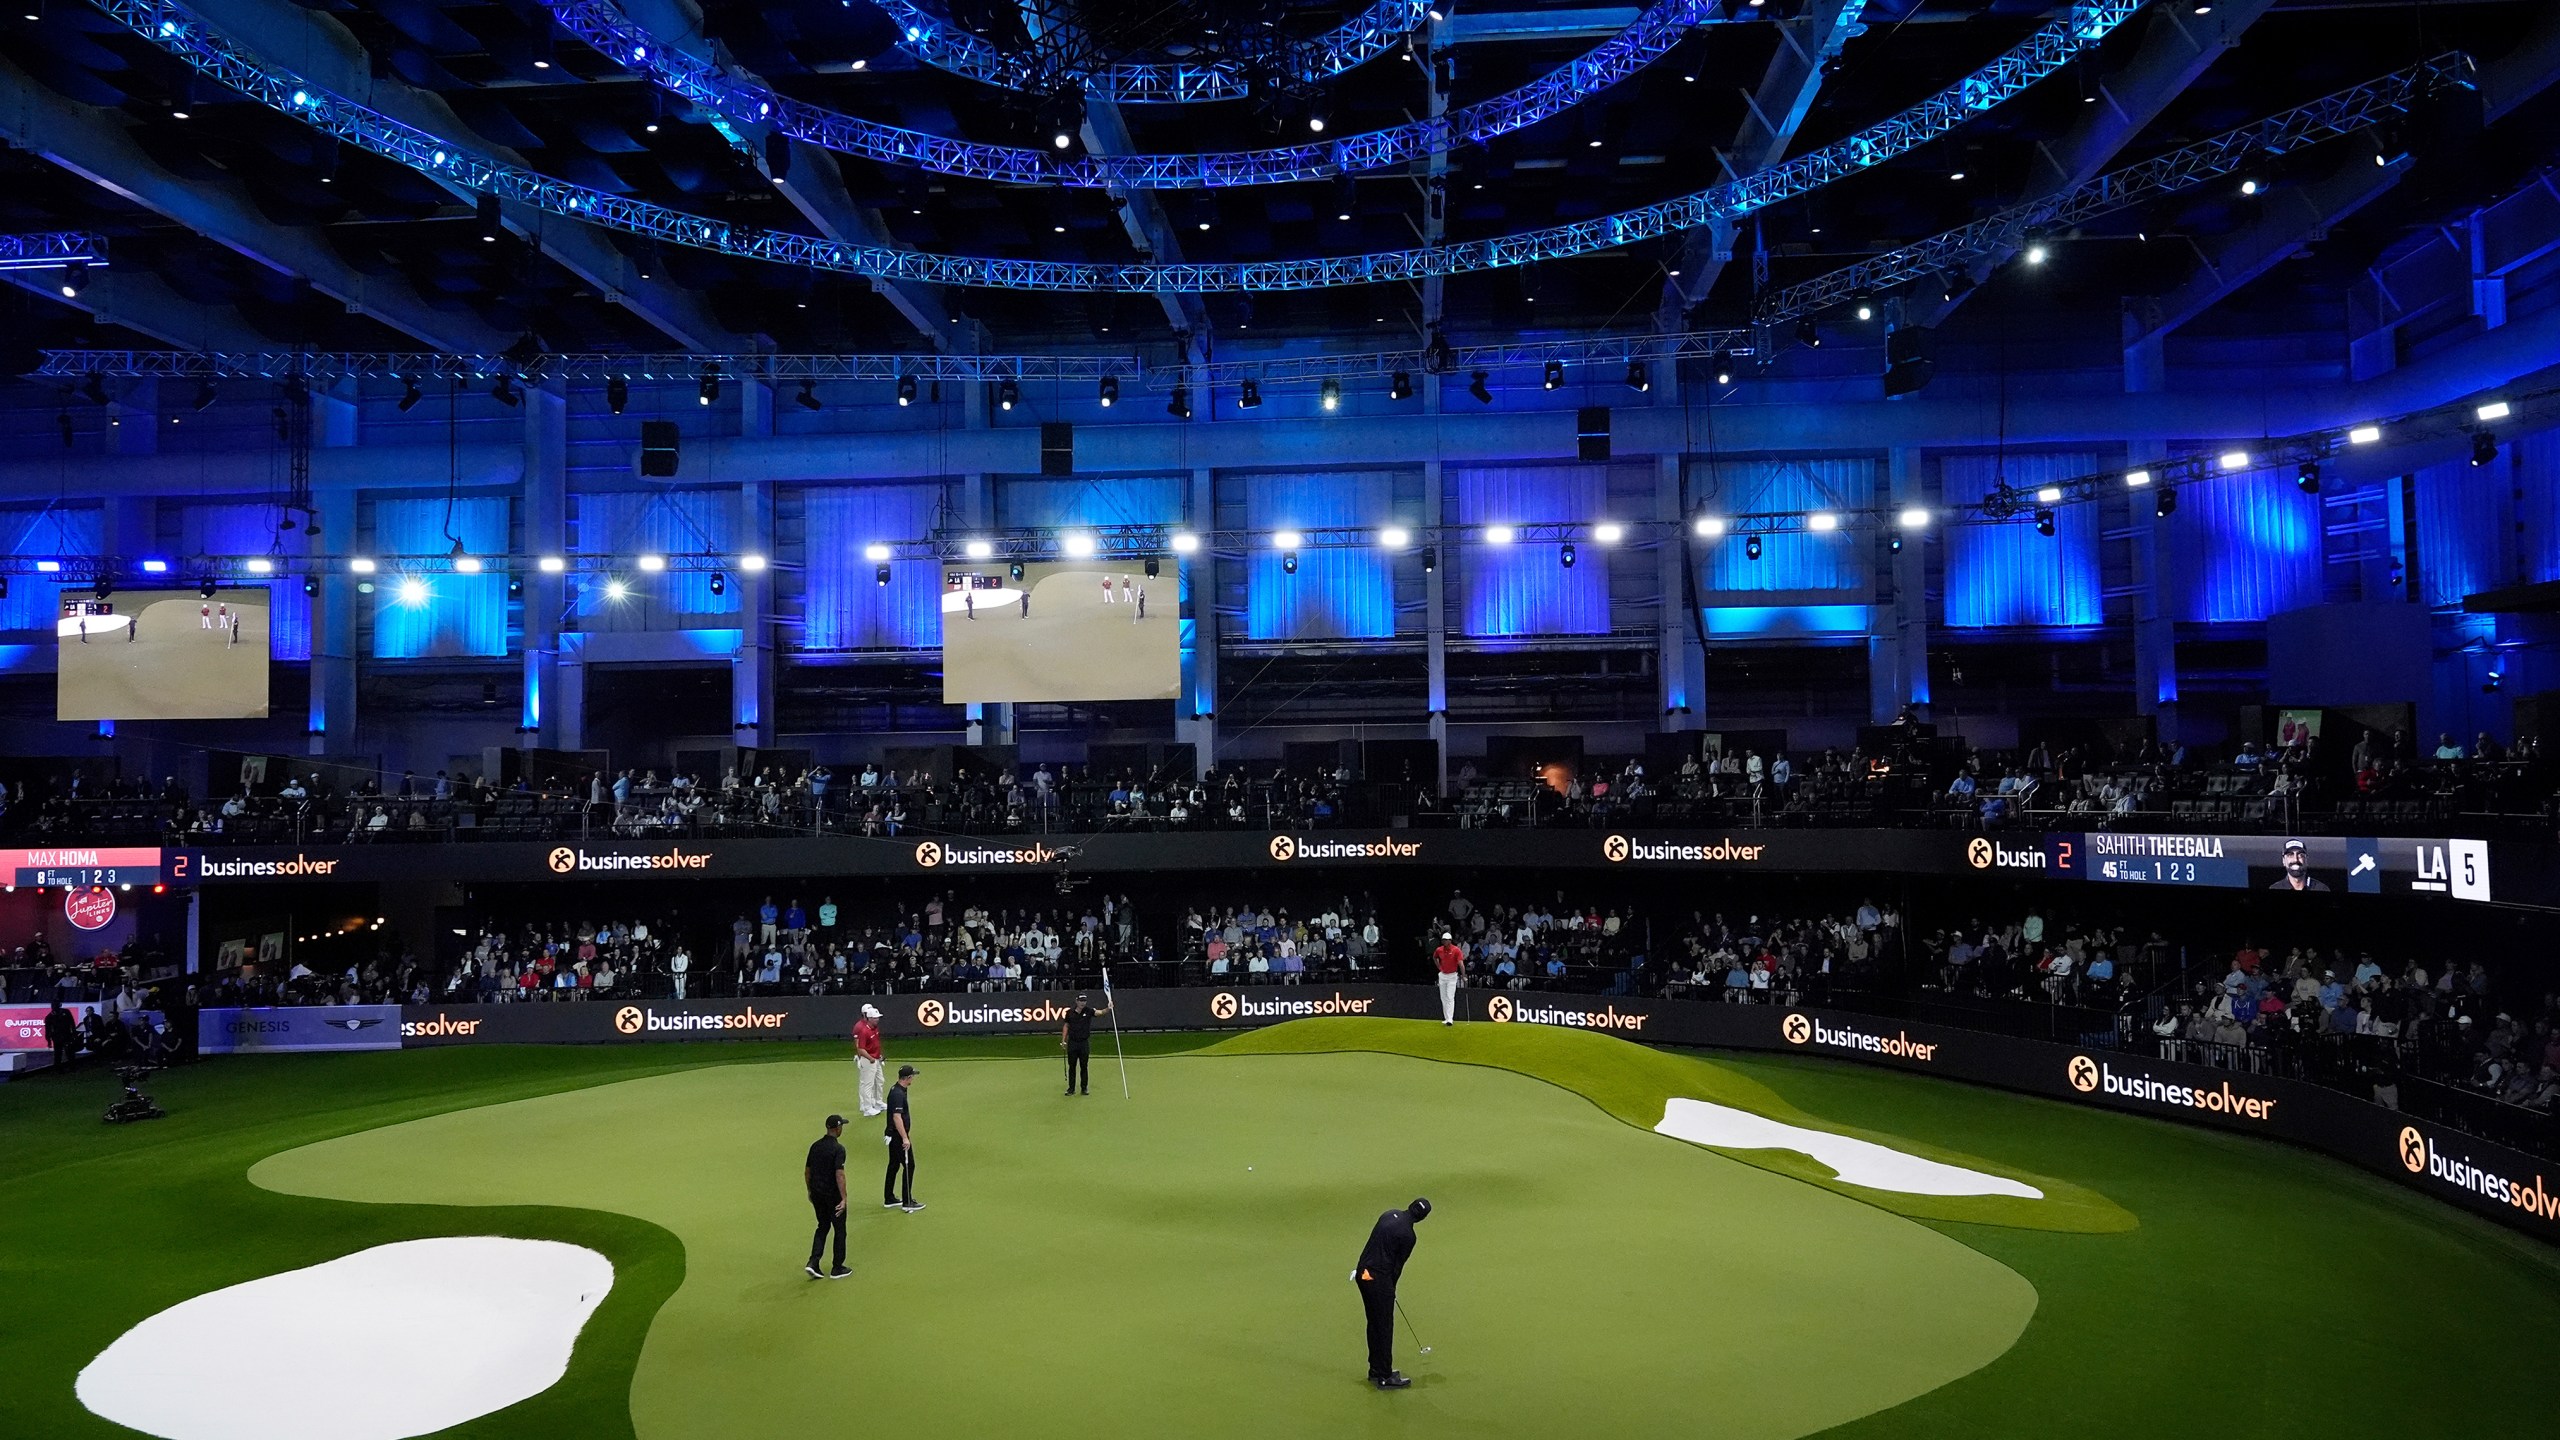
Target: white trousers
{"x": 874, "y": 1096}
{"x": 1449, "y": 997}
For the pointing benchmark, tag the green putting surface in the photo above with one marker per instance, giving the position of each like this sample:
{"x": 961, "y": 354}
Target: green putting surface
{"x": 1101, "y": 1265}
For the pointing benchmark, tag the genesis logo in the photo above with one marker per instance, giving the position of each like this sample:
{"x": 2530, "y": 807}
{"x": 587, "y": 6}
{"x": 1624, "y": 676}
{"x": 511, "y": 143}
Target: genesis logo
{"x": 1984, "y": 853}
{"x": 566, "y": 860}
{"x": 1503, "y": 1010}
{"x": 353, "y": 1023}
{"x": 933, "y": 854}
{"x": 1619, "y": 848}
{"x": 1285, "y": 848}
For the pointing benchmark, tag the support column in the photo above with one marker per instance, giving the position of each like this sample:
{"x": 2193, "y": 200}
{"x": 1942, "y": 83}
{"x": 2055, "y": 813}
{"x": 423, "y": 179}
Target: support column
{"x": 331, "y": 727}
{"x": 1898, "y": 649}
{"x": 751, "y": 678}
{"x": 546, "y": 532}
{"x": 1435, "y": 620}
{"x": 1196, "y": 715}
{"x": 1679, "y": 657}
{"x": 2155, "y": 633}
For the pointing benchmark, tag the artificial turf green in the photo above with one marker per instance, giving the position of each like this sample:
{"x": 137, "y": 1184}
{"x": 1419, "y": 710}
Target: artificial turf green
{"x": 2266, "y": 1291}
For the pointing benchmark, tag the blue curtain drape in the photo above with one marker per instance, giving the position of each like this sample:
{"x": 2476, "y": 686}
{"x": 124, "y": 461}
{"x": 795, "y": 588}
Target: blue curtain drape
{"x": 2247, "y": 546}
{"x": 464, "y": 615}
{"x": 2466, "y": 522}
{"x": 1794, "y": 562}
{"x": 2009, "y": 574}
{"x": 1521, "y": 589}
{"x": 57, "y": 533}
{"x": 844, "y": 606}
{"x": 227, "y": 530}
{"x": 2537, "y": 460}
{"x": 671, "y": 522}
{"x": 1345, "y": 593}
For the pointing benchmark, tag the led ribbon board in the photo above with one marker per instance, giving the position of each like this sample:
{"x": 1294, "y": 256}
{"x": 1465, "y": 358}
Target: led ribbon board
{"x": 741, "y": 101}
{"x": 189, "y": 37}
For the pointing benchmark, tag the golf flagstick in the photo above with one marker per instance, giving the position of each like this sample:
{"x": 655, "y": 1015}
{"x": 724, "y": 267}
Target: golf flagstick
{"x": 1111, "y": 1006}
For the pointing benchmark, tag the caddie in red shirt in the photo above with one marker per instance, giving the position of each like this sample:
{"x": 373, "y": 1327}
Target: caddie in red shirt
{"x": 874, "y": 1087}
{"x": 1450, "y": 959}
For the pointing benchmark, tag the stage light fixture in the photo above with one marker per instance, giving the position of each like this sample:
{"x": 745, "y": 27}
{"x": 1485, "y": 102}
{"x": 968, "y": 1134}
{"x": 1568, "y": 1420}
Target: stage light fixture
{"x": 1894, "y": 544}
{"x": 362, "y": 565}
{"x": 410, "y": 395}
{"x": 413, "y": 592}
{"x": 2044, "y": 523}
{"x": 1179, "y": 407}
{"x": 2234, "y": 459}
{"x": 1007, "y": 392}
{"x": 1330, "y": 395}
{"x": 1809, "y": 334}
{"x": 1751, "y": 548}
{"x": 1287, "y": 540}
{"x": 1914, "y": 518}
{"x": 1555, "y": 375}
{"x": 709, "y": 390}
{"x": 515, "y": 587}
{"x": 880, "y": 575}
{"x": 1822, "y": 522}
{"x": 2249, "y": 186}
{"x": 2136, "y": 479}
{"x": 1608, "y": 532}
{"x": 657, "y": 564}
{"x": 906, "y": 390}
{"x": 1249, "y": 395}
{"x": 1109, "y": 391}
{"x": 875, "y": 552}
{"x": 550, "y": 564}
{"x": 2049, "y": 495}
{"x": 616, "y": 590}
{"x": 979, "y": 550}
{"x": 1289, "y": 563}
{"x": 719, "y": 582}
{"x": 2037, "y": 254}
{"x": 807, "y": 399}
{"x": 1395, "y": 537}
{"x": 2484, "y": 448}
{"x": 2494, "y": 410}
{"x": 205, "y": 395}
{"x": 2307, "y": 476}
{"x": 1014, "y": 570}
{"x": 1400, "y": 386}
{"x": 205, "y": 587}
{"x": 1709, "y": 526}
{"x": 752, "y": 564}
{"x": 617, "y": 394}
{"x": 1477, "y": 388}
{"x": 1430, "y": 558}
{"x": 75, "y": 278}
{"x": 504, "y": 391}
{"x": 1078, "y": 543}
{"x": 1638, "y": 377}
{"x": 1499, "y": 534}
{"x": 2165, "y": 504}
{"x": 1564, "y": 556}
{"x": 2364, "y": 434}
{"x": 1185, "y": 543}
{"x": 155, "y": 567}
{"x": 310, "y": 585}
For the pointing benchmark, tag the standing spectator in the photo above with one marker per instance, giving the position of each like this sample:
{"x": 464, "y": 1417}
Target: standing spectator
{"x": 678, "y": 965}
{"x": 62, "y": 1033}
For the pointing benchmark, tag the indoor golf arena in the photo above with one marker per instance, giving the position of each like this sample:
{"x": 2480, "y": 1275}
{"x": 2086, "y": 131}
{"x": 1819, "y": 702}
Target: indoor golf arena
{"x": 1413, "y": 719}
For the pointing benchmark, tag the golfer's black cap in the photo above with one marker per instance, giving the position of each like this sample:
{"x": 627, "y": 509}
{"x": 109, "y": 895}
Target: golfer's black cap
{"x": 834, "y": 1120}
{"x": 1420, "y": 1209}
{"x": 2297, "y": 845}
{"x": 905, "y": 1070}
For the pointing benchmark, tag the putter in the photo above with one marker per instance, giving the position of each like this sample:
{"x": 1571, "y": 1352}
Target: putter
{"x": 1418, "y": 1346}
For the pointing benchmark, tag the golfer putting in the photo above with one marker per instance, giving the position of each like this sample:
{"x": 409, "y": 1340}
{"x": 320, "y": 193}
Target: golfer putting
{"x": 1381, "y": 1266}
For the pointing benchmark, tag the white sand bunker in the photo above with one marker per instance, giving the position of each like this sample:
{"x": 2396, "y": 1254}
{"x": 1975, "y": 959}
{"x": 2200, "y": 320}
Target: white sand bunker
{"x": 1857, "y": 1162}
{"x": 394, "y": 1341}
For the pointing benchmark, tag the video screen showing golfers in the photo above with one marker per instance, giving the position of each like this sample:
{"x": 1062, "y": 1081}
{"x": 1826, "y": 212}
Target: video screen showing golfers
{"x": 161, "y": 655}
{"x": 1068, "y": 630}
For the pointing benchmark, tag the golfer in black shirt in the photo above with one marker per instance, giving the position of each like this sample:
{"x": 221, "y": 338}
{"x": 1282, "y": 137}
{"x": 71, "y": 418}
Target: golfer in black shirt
{"x": 898, "y": 1187}
{"x": 824, "y": 1174}
{"x": 1077, "y": 1036}
{"x": 1381, "y": 1265}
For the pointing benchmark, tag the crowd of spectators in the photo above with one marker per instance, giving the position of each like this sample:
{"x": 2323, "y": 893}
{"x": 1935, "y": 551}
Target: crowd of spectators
{"x": 1771, "y": 959}
{"x": 1550, "y": 944}
{"x": 1261, "y": 943}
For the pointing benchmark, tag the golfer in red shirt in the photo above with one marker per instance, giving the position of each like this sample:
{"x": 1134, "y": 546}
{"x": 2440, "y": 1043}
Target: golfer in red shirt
{"x": 874, "y": 1088}
{"x": 1450, "y": 959}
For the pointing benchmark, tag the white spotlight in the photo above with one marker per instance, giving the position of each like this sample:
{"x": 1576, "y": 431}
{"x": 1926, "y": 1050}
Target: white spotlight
{"x": 1822, "y": 520}
{"x": 2136, "y": 479}
{"x": 979, "y": 550}
{"x": 652, "y": 564}
{"x": 551, "y": 564}
{"x": 413, "y": 592}
{"x": 1287, "y": 540}
{"x": 616, "y": 590}
{"x": 361, "y": 565}
{"x": 1395, "y": 537}
{"x": 2364, "y": 434}
{"x": 261, "y": 565}
{"x": 1498, "y": 534}
{"x": 466, "y": 564}
{"x": 2495, "y": 410}
{"x": 1915, "y": 518}
{"x": 875, "y": 552}
{"x": 752, "y": 564}
{"x": 1608, "y": 532}
{"x": 1709, "y": 525}
{"x": 2048, "y": 495}
{"x": 2235, "y": 459}
{"x": 1077, "y": 543}
{"x": 1185, "y": 543}
{"x": 2036, "y": 254}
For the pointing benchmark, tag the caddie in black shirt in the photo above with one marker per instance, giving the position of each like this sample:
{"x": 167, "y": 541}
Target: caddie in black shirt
{"x": 1077, "y": 1036}
{"x": 824, "y": 1175}
{"x": 1381, "y": 1265}
{"x": 902, "y": 1149}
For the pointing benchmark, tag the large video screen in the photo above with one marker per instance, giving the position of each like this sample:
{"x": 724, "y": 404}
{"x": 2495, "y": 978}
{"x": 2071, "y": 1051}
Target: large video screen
{"x": 162, "y": 655}
{"x": 1068, "y": 630}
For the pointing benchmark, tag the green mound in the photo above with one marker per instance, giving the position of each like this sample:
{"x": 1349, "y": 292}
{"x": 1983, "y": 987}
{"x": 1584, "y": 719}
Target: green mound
{"x": 1177, "y": 1264}
{"x": 1632, "y": 1082}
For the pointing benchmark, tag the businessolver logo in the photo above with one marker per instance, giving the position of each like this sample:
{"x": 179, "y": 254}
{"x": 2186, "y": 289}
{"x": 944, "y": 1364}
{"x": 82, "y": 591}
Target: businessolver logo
{"x": 1807, "y": 1030}
{"x": 1231, "y": 1005}
{"x": 638, "y": 1020}
{"x": 934, "y": 854}
{"x": 929, "y": 1013}
{"x": 1617, "y": 849}
{"x": 442, "y": 1027}
{"x": 1222, "y": 1006}
{"x": 1503, "y": 1010}
{"x": 1984, "y": 853}
{"x": 568, "y": 860}
{"x": 1285, "y": 848}
{"x": 2423, "y": 1157}
{"x": 2091, "y": 1076}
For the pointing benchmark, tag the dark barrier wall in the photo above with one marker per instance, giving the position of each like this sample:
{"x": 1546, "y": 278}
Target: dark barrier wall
{"x": 2454, "y": 869}
{"x": 299, "y": 1027}
{"x": 2504, "y": 1185}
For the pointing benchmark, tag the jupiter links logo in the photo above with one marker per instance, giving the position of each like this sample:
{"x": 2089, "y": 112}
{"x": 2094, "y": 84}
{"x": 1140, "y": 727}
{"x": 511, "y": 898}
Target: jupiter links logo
{"x": 1618, "y": 849}
{"x": 2097, "y": 1077}
{"x": 934, "y": 854}
{"x": 1285, "y": 848}
{"x": 1504, "y": 1010}
{"x": 1806, "y": 1030}
{"x": 2420, "y": 1156}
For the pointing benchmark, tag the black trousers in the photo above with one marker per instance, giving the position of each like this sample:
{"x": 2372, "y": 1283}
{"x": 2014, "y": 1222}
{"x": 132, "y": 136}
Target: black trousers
{"x": 1079, "y": 1067}
{"x": 829, "y": 1218}
{"x": 1378, "y": 1299}
{"x": 63, "y": 1050}
{"x": 902, "y": 1171}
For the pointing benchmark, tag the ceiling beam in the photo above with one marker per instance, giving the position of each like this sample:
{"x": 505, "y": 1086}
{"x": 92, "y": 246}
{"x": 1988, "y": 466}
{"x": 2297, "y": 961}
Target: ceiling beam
{"x": 96, "y": 144}
{"x": 143, "y": 303}
{"x": 2176, "y": 47}
{"x": 812, "y": 179}
{"x": 319, "y": 48}
{"x": 1771, "y": 116}
{"x": 2296, "y": 215}
{"x": 1150, "y": 229}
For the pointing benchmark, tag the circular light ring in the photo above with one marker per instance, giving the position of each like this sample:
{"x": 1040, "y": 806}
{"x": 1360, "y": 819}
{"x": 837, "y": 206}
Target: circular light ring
{"x": 1650, "y": 37}
{"x": 218, "y": 56}
{"x": 940, "y": 43}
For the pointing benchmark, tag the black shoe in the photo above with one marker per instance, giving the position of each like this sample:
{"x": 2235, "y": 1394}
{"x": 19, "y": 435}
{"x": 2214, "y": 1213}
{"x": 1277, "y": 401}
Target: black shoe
{"x": 813, "y": 1271}
{"x": 912, "y": 1206}
{"x": 1392, "y": 1380}
{"x": 1071, "y": 1094}
{"x": 839, "y": 1273}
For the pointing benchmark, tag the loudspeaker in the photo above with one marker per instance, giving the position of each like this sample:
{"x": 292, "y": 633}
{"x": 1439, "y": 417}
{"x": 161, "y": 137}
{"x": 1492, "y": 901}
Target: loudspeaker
{"x": 658, "y": 443}
{"x": 1057, "y": 449}
{"x": 1907, "y": 365}
{"x": 1591, "y": 431}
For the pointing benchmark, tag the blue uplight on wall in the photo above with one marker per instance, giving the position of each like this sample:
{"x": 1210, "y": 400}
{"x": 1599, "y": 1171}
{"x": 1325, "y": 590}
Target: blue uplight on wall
{"x": 1329, "y": 594}
{"x": 58, "y": 530}
{"x": 2003, "y": 575}
{"x": 2247, "y": 546}
{"x": 429, "y": 612}
{"x": 238, "y": 530}
{"x": 625, "y": 524}
{"x": 1794, "y": 562}
{"x": 1526, "y": 589}
{"x": 845, "y": 607}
